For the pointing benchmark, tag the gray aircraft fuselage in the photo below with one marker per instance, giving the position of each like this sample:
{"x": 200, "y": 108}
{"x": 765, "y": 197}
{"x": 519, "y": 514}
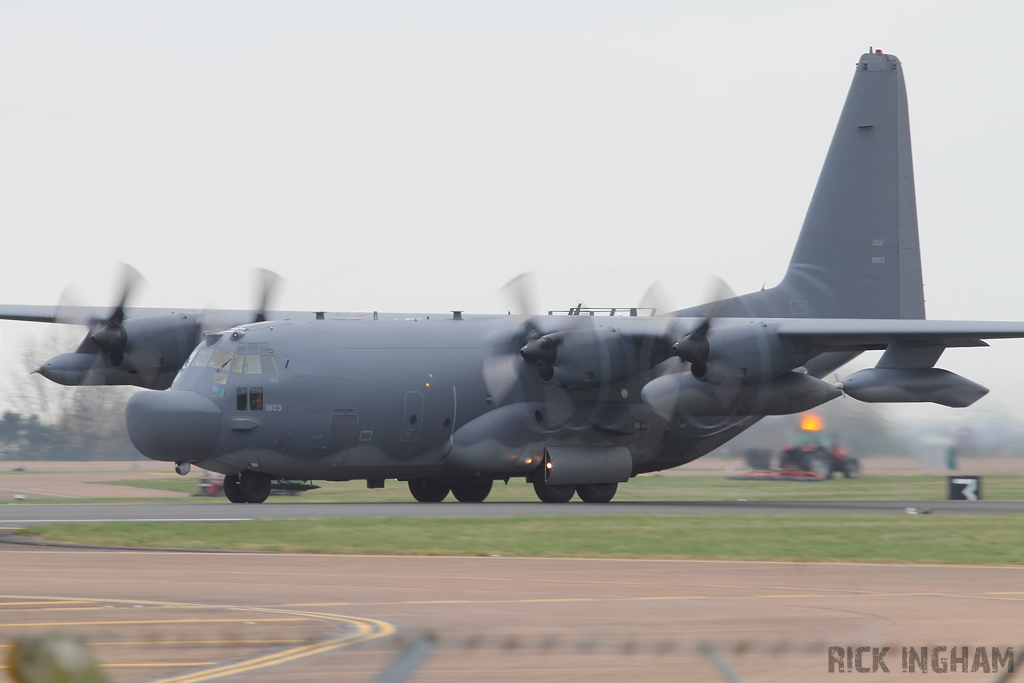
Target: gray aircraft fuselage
{"x": 366, "y": 399}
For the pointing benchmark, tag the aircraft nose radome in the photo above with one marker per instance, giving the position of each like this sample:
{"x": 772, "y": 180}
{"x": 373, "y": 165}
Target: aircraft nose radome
{"x": 173, "y": 425}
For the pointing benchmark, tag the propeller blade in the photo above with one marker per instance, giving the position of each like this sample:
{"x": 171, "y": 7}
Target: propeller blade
{"x": 520, "y": 292}
{"x": 112, "y": 338}
{"x": 558, "y": 406}
{"x": 500, "y": 373}
{"x": 269, "y": 283}
{"x": 656, "y": 297}
{"x": 70, "y": 310}
{"x": 130, "y": 279}
{"x": 717, "y": 293}
{"x": 695, "y": 348}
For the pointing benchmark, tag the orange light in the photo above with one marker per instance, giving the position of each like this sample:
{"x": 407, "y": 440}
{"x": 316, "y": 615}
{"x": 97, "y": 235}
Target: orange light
{"x": 550, "y": 465}
{"x": 811, "y": 423}
{"x": 428, "y": 384}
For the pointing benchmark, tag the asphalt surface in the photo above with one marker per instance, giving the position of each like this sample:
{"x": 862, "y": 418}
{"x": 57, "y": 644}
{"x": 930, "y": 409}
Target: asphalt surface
{"x": 265, "y": 618}
{"x": 39, "y": 513}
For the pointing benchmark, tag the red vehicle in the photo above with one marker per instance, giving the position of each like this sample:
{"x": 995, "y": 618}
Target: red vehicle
{"x": 813, "y": 450}
{"x": 211, "y": 484}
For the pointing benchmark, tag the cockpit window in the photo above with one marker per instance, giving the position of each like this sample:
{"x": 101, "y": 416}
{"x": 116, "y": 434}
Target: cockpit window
{"x": 252, "y": 365}
{"x": 202, "y": 357}
{"x": 236, "y": 363}
{"x": 220, "y": 359}
{"x": 269, "y": 364}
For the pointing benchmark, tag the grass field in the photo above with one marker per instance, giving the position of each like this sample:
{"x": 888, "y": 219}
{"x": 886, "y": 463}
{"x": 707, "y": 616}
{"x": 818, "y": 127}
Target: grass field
{"x": 655, "y": 488}
{"x": 969, "y": 539}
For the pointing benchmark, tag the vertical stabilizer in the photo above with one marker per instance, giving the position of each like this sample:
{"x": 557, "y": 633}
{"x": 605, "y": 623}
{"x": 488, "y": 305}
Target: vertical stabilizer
{"x": 858, "y": 254}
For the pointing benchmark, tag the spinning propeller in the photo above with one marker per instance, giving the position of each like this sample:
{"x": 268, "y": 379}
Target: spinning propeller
{"x": 695, "y": 348}
{"x": 111, "y": 338}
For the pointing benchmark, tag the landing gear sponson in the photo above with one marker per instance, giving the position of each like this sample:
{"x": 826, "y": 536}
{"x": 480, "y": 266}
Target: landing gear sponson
{"x": 434, "y": 491}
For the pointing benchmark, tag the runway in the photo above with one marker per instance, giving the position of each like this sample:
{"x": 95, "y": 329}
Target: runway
{"x": 46, "y": 513}
{"x": 190, "y": 617}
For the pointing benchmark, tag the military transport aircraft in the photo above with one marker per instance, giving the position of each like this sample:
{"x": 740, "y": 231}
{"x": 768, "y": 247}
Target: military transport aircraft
{"x": 576, "y": 403}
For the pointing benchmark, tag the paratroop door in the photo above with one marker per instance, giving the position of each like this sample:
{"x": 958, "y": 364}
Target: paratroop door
{"x": 413, "y": 416}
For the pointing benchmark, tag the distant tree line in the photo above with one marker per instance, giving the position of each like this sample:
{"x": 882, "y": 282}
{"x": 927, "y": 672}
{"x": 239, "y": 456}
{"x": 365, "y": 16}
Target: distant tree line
{"x": 46, "y": 421}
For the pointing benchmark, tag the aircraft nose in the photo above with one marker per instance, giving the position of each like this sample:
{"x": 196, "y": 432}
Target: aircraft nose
{"x": 177, "y": 426}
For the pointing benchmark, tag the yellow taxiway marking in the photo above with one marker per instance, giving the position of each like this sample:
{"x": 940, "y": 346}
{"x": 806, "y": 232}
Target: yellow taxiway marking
{"x": 47, "y": 602}
{"x": 149, "y": 621}
{"x": 365, "y": 630}
{"x": 162, "y": 665}
{"x": 288, "y": 641}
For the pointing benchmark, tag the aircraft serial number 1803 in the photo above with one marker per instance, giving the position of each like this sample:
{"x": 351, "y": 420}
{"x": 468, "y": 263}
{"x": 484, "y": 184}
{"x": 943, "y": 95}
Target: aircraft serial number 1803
{"x": 574, "y": 403}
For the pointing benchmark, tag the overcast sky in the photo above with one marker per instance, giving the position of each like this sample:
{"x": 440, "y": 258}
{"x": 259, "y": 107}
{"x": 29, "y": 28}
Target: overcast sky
{"x": 416, "y": 156}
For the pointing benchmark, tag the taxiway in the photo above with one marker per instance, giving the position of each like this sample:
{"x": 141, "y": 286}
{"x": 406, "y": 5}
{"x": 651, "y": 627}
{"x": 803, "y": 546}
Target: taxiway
{"x": 47, "y": 513}
{"x": 197, "y": 617}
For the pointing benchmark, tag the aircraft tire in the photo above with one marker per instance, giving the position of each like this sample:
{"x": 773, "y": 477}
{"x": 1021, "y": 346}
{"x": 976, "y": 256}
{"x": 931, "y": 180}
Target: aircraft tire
{"x": 255, "y": 486}
{"x": 232, "y": 489}
{"x": 472, "y": 491}
{"x": 597, "y": 493}
{"x": 428, "y": 490}
{"x": 557, "y": 493}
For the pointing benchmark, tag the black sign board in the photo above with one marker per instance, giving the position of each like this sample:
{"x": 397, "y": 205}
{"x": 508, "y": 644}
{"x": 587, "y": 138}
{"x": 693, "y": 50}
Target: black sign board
{"x": 964, "y": 488}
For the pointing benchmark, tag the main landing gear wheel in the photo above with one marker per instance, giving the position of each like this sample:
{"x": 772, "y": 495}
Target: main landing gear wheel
{"x": 429, "y": 490}
{"x": 553, "y": 493}
{"x": 472, "y": 491}
{"x": 255, "y": 486}
{"x": 597, "y": 493}
{"x": 232, "y": 489}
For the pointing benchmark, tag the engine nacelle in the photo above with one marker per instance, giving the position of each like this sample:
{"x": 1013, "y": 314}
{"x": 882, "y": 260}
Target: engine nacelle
{"x": 159, "y": 343}
{"x": 683, "y": 395}
{"x": 146, "y": 351}
{"x": 913, "y": 385}
{"x": 592, "y": 357}
{"x": 750, "y": 352}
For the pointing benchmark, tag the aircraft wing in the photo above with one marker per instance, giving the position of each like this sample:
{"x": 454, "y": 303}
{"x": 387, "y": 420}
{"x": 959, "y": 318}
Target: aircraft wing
{"x": 37, "y": 314}
{"x": 87, "y": 315}
{"x": 850, "y": 334}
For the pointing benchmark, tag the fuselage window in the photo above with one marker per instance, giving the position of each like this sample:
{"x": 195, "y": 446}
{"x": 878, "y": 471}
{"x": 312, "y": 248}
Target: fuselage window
{"x": 242, "y": 398}
{"x": 252, "y": 365}
{"x": 255, "y": 398}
